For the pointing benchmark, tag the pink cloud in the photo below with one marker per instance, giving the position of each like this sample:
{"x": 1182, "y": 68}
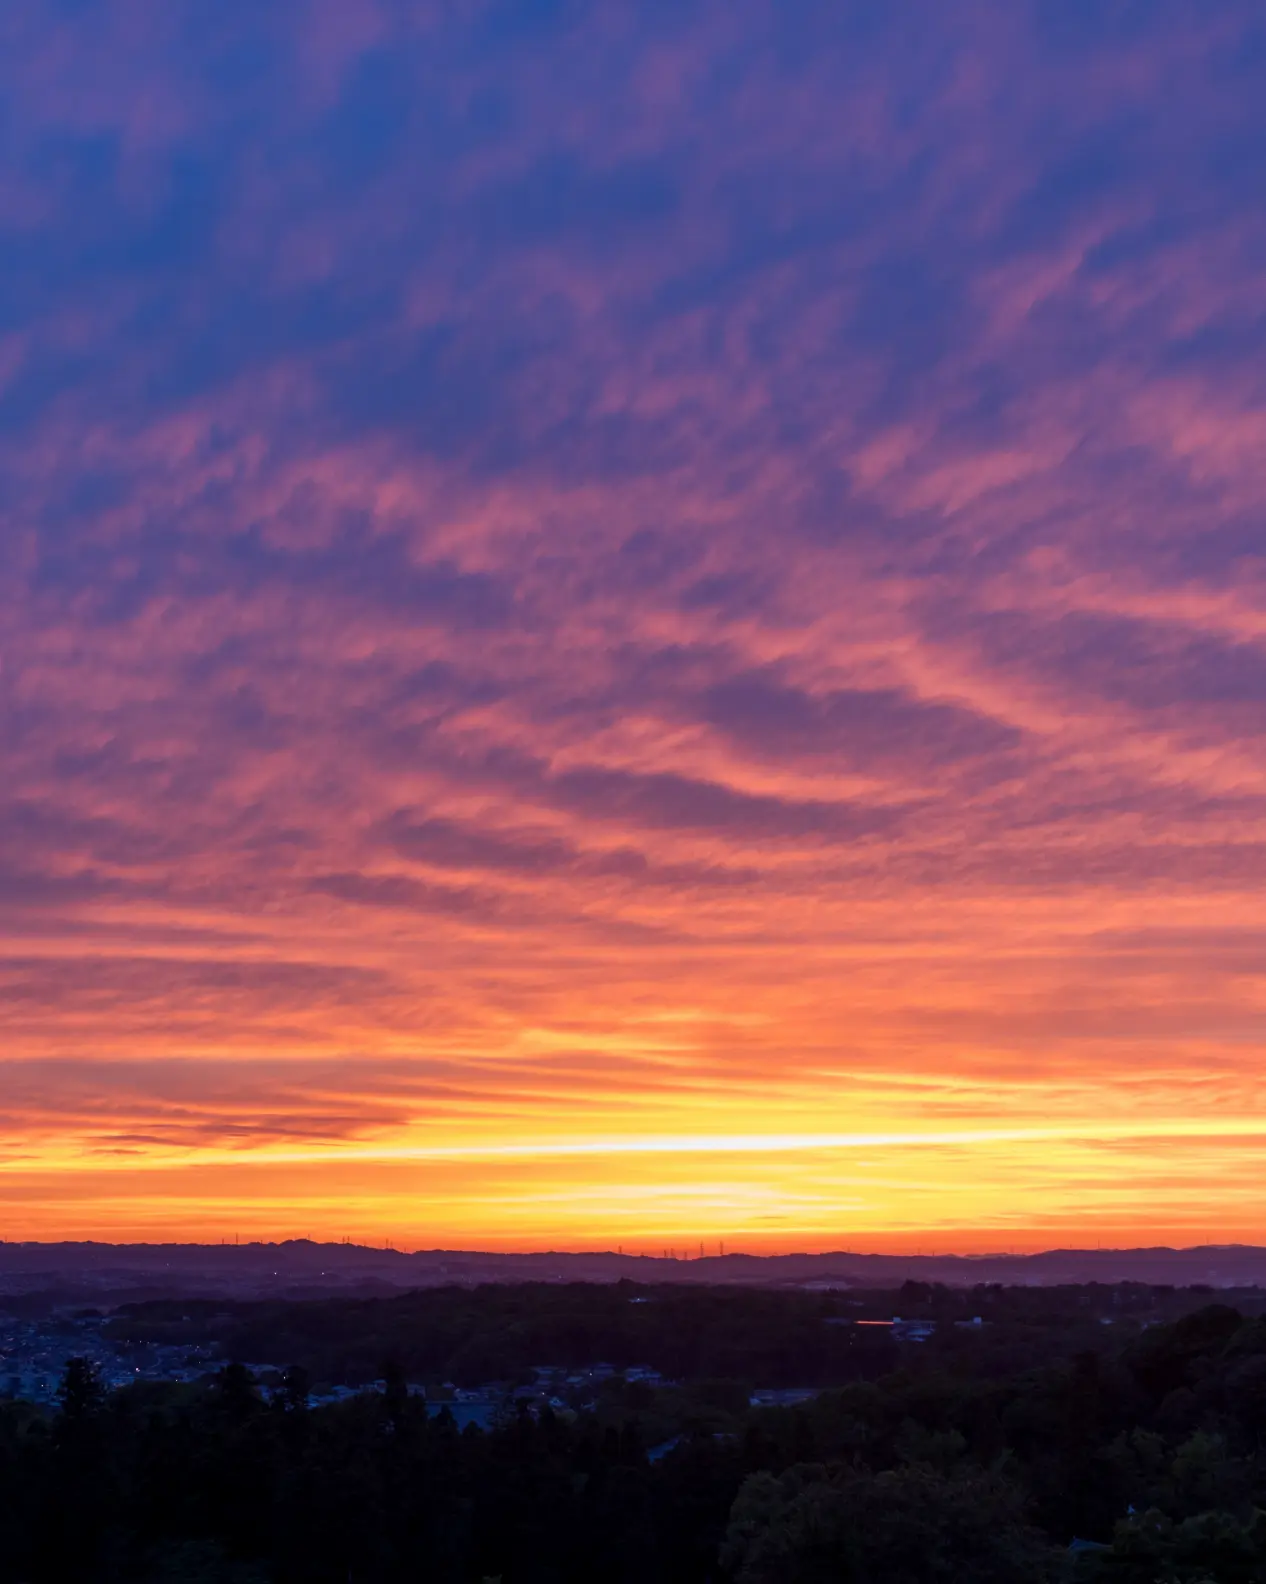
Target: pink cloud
{"x": 644, "y": 569}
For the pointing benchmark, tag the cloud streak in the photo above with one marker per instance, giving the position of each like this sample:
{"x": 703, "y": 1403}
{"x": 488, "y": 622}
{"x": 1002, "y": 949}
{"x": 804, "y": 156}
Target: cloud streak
{"x": 640, "y": 559}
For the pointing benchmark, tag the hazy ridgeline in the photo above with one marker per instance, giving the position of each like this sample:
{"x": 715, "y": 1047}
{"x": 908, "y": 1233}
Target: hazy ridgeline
{"x": 95, "y": 1272}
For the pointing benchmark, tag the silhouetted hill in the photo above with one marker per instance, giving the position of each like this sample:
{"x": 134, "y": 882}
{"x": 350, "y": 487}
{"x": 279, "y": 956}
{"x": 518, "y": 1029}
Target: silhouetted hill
{"x": 300, "y": 1267}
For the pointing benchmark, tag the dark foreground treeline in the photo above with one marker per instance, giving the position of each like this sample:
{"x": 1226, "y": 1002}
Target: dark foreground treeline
{"x": 942, "y": 1471}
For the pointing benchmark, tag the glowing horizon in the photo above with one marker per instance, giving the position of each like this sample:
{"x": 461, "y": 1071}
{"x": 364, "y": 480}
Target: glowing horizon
{"x": 633, "y": 626}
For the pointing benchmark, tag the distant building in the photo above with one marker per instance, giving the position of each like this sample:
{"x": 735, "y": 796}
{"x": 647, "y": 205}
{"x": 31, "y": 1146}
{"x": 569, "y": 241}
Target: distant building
{"x": 784, "y": 1397}
{"x": 912, "y": 1330}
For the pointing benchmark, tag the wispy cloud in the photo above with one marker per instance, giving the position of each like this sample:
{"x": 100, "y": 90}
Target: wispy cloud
{"x": 520, "y": 533}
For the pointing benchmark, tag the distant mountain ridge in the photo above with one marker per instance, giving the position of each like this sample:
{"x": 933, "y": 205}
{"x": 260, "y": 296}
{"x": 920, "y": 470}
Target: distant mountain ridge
{"x": 298, "y": 1267}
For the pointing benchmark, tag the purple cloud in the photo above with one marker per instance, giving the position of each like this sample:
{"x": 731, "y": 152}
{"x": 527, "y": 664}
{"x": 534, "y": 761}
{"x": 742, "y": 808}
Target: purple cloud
{"x": 552, "y": 519}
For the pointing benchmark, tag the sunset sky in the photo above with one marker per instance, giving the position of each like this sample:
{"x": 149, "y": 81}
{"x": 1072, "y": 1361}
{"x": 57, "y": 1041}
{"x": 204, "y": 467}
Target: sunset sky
{"x": 626, "y": 624}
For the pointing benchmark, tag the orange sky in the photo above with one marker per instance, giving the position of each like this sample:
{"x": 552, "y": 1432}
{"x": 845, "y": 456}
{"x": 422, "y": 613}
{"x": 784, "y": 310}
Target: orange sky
{"x": 647, "y": 635}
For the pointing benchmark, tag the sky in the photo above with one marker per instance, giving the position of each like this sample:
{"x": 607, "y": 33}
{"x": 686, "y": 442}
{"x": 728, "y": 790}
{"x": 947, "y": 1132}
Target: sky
{"x": 633, "y": 624}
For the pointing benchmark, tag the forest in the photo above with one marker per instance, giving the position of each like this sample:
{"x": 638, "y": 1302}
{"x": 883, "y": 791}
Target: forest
{"x": 1105, "y": 1435}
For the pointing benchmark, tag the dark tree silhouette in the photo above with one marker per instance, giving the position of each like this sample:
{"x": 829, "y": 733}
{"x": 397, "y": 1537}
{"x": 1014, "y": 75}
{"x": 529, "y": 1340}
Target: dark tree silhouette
{"x": 981, "y": 1460}
{"x": 80, "y": 1393}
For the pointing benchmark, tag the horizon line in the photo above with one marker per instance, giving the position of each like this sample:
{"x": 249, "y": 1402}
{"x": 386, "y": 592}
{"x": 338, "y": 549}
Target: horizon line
{"x": 669, "y": 1258}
